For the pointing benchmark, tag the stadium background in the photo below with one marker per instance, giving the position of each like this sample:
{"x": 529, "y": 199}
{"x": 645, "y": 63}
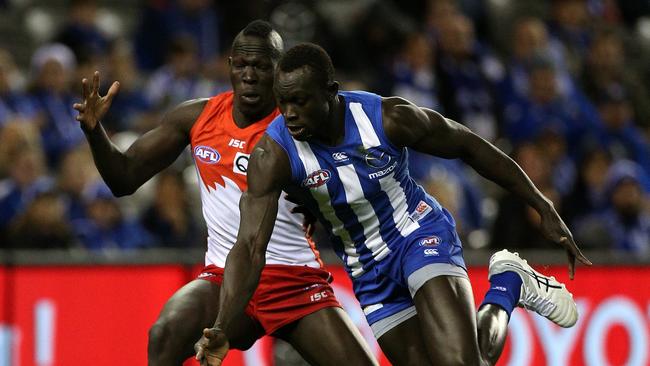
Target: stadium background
{"x": 562, "y": 86}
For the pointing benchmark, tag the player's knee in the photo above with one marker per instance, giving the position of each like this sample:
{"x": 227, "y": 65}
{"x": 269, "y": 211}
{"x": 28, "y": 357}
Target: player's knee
{"x": 160, "y": 335}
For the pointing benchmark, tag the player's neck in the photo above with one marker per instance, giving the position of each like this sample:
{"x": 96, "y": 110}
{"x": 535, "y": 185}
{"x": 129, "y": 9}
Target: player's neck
{"x": 243, "y": 118}
{"x": 334, "y": 130}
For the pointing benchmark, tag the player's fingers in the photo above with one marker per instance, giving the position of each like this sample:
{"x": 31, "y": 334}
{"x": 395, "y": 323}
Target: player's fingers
{"x": 569, "y": 243}
{"x": 209, "y": 333}
{"x": 310, "y": 229}
{"x": 85, "y": 91}
{"x": 572, "y": 264}
{"x": 78, "y": 117}
{"x": 96, "y": 82}
{"x": 112, "y": 91}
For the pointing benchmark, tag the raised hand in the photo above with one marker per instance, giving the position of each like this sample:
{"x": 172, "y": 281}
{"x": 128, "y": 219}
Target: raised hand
{"x": 93, "y": 107}
{"x": 556, "y": 230}
{"x": 212, "y": 348}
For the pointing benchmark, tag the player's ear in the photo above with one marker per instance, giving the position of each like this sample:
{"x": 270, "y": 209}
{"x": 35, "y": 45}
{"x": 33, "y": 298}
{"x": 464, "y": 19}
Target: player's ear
{"x": 230, "y": 61}
{"x": 332, "y": 89}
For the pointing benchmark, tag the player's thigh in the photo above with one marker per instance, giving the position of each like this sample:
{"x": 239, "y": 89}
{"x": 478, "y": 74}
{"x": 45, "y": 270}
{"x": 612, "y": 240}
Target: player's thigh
{"x": 194, "y": 307}
{"x": 403, "y": 345}
{"x": 328, "y": 337}
{"x": 446, "y": 314}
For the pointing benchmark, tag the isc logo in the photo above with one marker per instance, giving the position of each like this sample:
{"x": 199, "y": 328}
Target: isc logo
{"x": 316, "y": 179}
{"x": 207, "y": 154}
{"x": 318, "y": 296}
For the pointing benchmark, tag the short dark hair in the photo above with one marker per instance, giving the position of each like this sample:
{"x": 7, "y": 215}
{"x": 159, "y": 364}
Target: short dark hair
{"x": 263, "y": 30}
{"x": 258, "y": 28}
{"x": 312, "y": 56}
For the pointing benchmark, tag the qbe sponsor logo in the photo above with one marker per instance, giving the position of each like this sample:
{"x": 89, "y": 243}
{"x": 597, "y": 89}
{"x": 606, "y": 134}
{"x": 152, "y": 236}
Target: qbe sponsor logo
{"x": 207, "y": 154}
{"x": 240, "y": 163}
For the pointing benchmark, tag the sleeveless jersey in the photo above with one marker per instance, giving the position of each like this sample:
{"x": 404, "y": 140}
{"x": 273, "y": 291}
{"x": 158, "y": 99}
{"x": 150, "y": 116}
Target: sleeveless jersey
{"x": 221, "y": 151}
{"x": 361, "y": 189}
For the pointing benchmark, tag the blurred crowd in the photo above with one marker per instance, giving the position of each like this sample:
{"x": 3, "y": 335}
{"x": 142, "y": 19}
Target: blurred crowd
{"x": 561, "y": 86}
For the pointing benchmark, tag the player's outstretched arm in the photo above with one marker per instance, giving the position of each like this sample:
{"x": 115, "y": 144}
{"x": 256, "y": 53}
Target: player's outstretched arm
{"x": 427, "y": 131}
{"x": 151, "y": 153}
{"x": 268, "y": 173}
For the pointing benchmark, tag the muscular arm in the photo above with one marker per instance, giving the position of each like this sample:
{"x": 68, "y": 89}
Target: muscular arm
{"x": 427, "y": 131}
{"x": 125, "y": 172}
{"x": 151, "y": 153}
{"x": 268, "y": 172}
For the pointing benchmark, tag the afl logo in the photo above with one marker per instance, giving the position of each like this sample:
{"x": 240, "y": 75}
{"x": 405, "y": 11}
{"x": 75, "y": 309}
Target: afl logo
{"x": 430, "y": 241}
{"x": 317, "y": 178}
{"x": 207, "y": 154}
{"x": 376, "y": 159}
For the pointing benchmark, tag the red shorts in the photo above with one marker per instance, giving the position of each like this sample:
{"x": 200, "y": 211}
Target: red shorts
{"x": 285, "y": 293}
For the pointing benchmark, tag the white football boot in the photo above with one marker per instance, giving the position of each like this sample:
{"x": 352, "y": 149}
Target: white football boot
{"x": 542, "y": 294}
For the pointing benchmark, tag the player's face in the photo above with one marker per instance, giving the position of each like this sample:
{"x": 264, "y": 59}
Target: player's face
{"x": 251, "y": 74}
{"x": 304, "y": 103}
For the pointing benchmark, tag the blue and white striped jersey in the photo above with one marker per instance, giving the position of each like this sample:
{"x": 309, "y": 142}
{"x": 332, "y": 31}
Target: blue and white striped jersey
{"x": 360, "y": 190}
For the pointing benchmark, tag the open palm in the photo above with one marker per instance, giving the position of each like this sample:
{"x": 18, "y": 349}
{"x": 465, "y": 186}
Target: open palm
{"x": 93, "y": 106}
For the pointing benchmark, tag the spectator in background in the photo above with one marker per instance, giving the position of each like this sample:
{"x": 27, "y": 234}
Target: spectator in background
{"x": 525, "y": 119}
{"x": 80, "y": 32}
{"x": 164, "y": 21}
{"x": 130, "y": 110}
{"x": 105, "y": 227}
{"x": 517, "y": 224}
{"x": 449, "y": 181}
{"x": 621, "y": 136}
{"x": 43, "y": 225}
{"x": 413, "y": 72}
{"x": 468, "y": 73}
{"x": 75, "y": 172}
{"x": 625, "y": 225}
{"x": 530, "y": 39}
{"x": 177, "y": 80}
{"x": 570, "y": 25}
{"x": 553, "y": 147}
{"x": 52, "y": 67}
{"x": 607, "y": 67}
{"x": 15, "y": 106}
{"x": 26, "y": 180}
{"x": 588, "y": 195}
{"x": 169, "y": 218}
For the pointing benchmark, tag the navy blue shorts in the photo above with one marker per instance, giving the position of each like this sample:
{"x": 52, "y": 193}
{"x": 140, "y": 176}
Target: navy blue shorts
{"x": 386, "y": 291}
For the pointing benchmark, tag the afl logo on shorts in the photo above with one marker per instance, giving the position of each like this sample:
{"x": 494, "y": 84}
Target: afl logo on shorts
{"x": 207, "y": 154}
{"x": 317, "y": 178}
{"x": 430, "y": 241}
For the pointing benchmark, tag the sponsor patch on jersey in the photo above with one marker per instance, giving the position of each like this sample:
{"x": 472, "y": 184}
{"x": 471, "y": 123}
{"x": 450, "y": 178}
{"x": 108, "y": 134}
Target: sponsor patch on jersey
{"x": 430, "y": 252}
{"x": 317, "y": 178}
{"x": 430, "y": 241}
{"x": 240, "y": 163}
{"x": 340, "y": 157}
{"x": 421, "y": 210}
{"x": 381, "y": 173}
{"x": 207, "y": 154}
{"x": 376, "y": 158}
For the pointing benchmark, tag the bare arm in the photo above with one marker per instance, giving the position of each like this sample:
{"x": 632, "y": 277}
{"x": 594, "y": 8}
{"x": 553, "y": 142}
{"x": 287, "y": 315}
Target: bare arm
{"x": 268, "y": 173}
{"x": 427, "y": 131}
{"x": 125, "y": 172}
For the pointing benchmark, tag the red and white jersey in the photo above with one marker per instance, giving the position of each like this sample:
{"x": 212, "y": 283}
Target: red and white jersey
{"x": 221, "y": 151}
